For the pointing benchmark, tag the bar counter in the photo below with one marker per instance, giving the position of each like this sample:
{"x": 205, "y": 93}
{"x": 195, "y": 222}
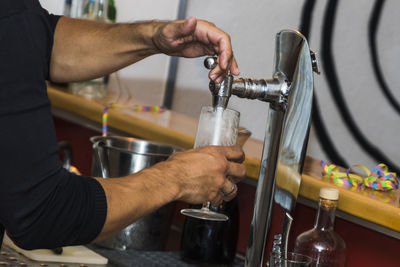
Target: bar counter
{"x": 380, "y": 208}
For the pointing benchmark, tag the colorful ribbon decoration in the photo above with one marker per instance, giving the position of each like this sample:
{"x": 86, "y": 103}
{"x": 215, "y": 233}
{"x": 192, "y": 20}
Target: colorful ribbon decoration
{"x": 154, "y": 109}
{"x": 341, "y": 179}
{"x": 104, "y": 119}
{"x": 138, "y": 108}
{"x": 378, "y": 179}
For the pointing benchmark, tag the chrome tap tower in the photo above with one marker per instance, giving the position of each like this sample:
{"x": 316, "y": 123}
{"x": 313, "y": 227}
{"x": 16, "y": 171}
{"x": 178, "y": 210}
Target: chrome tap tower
{"x": 289, "y": 94}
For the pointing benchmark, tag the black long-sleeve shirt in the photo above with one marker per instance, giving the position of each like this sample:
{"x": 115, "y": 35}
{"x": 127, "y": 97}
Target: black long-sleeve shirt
{"x": 41, "y": 204}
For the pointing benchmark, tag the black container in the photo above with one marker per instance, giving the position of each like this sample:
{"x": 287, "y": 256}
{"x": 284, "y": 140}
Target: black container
{"x": 211, "y": 242}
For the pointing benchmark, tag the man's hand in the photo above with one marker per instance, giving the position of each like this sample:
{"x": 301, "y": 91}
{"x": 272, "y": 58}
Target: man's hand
{"x": 194, "y": 176}
{"x": 205, "y": 174}
{"x": 194, "y": 38}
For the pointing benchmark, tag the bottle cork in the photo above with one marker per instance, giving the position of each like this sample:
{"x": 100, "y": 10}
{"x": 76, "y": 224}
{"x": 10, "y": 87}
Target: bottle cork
{"x": 329, "y": 193}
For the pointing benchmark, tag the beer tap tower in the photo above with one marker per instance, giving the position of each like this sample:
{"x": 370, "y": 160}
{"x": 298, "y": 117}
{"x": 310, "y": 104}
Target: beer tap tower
{"x": 289, "y": 94}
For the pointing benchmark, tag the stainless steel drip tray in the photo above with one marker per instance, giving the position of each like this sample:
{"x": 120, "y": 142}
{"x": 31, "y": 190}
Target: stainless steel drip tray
{"x": 128, "y": 258}
{"x": 9, "y": 257}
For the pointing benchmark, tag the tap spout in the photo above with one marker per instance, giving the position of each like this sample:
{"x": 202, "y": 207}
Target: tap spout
{"x": 221, "y": 92}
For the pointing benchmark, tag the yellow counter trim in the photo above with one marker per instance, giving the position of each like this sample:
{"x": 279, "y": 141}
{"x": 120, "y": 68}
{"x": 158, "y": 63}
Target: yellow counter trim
{"x": 142, "y": 126}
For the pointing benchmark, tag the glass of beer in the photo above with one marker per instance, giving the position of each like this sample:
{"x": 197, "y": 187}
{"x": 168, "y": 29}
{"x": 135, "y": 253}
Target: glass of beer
{"x": 217, "y": 127}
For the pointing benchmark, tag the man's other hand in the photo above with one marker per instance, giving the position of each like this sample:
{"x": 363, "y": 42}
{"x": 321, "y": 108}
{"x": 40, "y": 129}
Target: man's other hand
{"x": 195, "y": 38}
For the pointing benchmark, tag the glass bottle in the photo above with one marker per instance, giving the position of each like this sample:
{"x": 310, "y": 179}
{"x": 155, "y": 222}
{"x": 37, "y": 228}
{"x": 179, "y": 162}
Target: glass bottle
{"x": 73, "y": 8}
{"x": 67, "y": 8}
{"x": 112, "y": 11}
{"x": 96, "y": 88}
{"x": 322, "y": 243}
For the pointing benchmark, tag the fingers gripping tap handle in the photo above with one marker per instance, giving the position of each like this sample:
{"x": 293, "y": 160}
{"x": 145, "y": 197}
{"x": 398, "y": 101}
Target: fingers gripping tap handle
{"x": 221, "y": 92}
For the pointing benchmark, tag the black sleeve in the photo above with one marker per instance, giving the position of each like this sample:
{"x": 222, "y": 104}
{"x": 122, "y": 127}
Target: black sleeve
{"x": 51, "y": 21}
{"x": 41, "y": 204}
{"x": 67, "y": 211}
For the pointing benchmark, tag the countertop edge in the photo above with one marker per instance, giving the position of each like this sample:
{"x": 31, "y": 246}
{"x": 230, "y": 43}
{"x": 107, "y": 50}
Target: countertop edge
{"x": 350, "y": 202}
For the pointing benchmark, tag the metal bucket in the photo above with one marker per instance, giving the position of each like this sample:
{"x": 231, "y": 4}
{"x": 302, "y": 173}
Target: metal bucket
{"x": 116, "y": 156}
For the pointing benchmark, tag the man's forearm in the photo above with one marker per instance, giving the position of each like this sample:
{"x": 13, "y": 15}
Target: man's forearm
{"x": 132, "y": 197}
{"x": 194, "y": 176}
{"x": 86, "y": 49}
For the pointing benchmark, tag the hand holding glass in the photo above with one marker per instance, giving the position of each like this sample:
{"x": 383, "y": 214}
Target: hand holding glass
{"x": 218, "y": 127}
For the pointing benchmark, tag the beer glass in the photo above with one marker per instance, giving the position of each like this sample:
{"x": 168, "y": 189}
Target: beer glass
{"x": 217, "y": 127}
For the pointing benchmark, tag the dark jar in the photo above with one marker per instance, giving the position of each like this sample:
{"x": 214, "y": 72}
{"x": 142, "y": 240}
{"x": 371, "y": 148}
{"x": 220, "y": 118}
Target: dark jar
{"x": 211, "y": 242}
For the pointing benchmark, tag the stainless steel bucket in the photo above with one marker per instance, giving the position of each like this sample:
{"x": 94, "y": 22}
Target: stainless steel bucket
{"x": 116, "y": 156}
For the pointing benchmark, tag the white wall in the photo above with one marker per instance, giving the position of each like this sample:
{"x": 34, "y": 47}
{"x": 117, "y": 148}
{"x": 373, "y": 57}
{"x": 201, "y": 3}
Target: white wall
{"x": 53, "y": 6}
{"x": 252, "y": 26}
{"x": 377, "y": 120}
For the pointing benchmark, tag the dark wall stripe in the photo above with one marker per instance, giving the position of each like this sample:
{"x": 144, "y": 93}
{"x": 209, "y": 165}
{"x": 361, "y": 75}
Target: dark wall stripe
{"x": 319, "y": 126}
{"x": 336, "y": 91}
{"x": 372, "y": 32}
{"x": 306, "y": 17}
{"x": 173, "y": 65}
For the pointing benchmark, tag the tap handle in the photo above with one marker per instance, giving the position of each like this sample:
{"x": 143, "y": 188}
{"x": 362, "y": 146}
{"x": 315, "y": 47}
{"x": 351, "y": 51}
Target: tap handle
{"x": 210, "y": 62}
{"x": 221, "y": 92}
